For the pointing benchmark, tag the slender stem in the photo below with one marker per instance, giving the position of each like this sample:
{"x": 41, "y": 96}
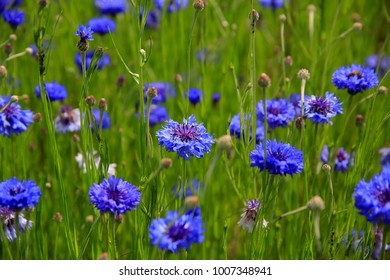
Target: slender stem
{"x": 298, "y": 210}
{"x": 385, "y": 232}
{"x": 283, "y": 57}
{"x": 317, "y": 233}
{"x": 113, "y": 237}
{"x": 148, "y": 136}
{"x": 253, "y": 75}
{"x": 265, "y": 123}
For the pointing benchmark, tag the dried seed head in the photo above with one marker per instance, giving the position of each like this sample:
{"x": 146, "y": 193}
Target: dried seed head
{"x": 90, "y": 100}
{"x": 304, "y": 74}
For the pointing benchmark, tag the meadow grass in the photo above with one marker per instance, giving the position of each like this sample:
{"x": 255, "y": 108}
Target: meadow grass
{"x": 235, "y": 56}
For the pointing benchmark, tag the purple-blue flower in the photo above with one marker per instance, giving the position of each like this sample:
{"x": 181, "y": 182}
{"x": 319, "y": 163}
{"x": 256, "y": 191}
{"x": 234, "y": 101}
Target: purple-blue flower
{"x": 274, "y": 4}
{"x": 106, "y": 122}
{"x": 105, "y": 60}
{"x": 355, "y": 78}
{"x": 235, "y": 130}
{"x": 215, "y": 98}
{"x": 68, "y": 120}
{"x": 342, "y": 160}
{"x": 115, "y": 196}
{"x": 158, "y": 114}
{"x": 325, "y": 154}
{"x": 177, "y": 232}
{"x": 282, "y": 159}
{"x": 102, "y": 25}
{"x": 19, "y": 195}
{"x": 372, "y": 198}
{"x": 13, "y": 120}
{"x": 7, "y": 222}
{"x": 172, "y": 5}
{"x": 111, "y": 7}
{"x": 14, "y": 17}
{"x": 295, "y": 100}
{"x": 55, "y": 91}
{"x": 164, "y": 90}
{"x": 382, "y": 63}
{"x": 85, "y": 33}
{"x": 279, "y": 112}
{"x": 4, "y": 5}
{"x": 187, "y": 139}
{"x": 194, "y": 95}
{"x": 322, "y": 109}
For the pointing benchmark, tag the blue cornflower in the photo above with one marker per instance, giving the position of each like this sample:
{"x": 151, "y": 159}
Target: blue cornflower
{"x": 158, "y": 114}
{"x": 342, "y": 160}
{"x": 374, "y": 60}
{"x": 13, "y": 120}
{"x": 325, "y": 154}
{"x": 187, "y": 139}
{"x": 14, "y": 17}
{"x": 115, "y": 196}
{"x": 355, "y": 78}
{"x": 172, "y": 6}
{"x": 153, "y": 19}
{"x": 7, "y": 220}
{"x": 4, "y": 5}
{"x": 215, "y": 98}
{"x": 279, "y": 112}
{"x": 322, "y": 109}
{"x": 189, "y": 188}
{"x": 235, "y": 130}
{"x": 106, "y": 122}
{"x": 111, "y": 7}
{"x": 85, "y": 33}
{"x": 385, "y": 159}
{"x": 164, "y": 90}
{"x": 102, "y": 25}
{"x": 177, "y": 232}
{"x": 194, "y": 95}
{"x": 68, "y": 120}
{"x": 372, "y": 198}
{"x": 105, "y": 60}
{"x": 274, "y": 4}
{"x": 282, "y": 159}
{"x": 55, "y": 91}
{"x": 295, "y": 100}
{"x": 17, "y": 195}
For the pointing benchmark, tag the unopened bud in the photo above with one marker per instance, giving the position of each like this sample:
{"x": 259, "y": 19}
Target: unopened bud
{"x": 58, "y": 217}
{"x": 288, "y": 61}
{"x": 263, "y": 80}
{"x": 152, "y": 92}
{"x": 82, "y": 45}
{"x": 311, "y": 8}
{"x": 37, "y": 117}
{"x": 382, "y": 90}
{"x": 120, "y": 81}
{"x": 254, "y": 16}
{"x": 326, "y": 167}
{"x": 225, "y": 142}
{"x": 282, "y": 18}
{"x": 356, "y": 17}
{"x": 76, "y": 138}
{"x": 29, "y": 51}
{"x": 299, "y": 122}
{"x": 359, "y": 121}
{"x": 3, "y": 72}
{"x": 316, "y": 204}
{"x": 90, "y": 100}
{"x": 199, "y": 5}
{"x": 42, "y": 3}
{"x": 14, "y": 98}
{"x": 178, "y": 78}
{"x": 192, "y": 201}
{"x": 119, "y": 219}
{"x": 103, "y": 104}
{"x": 103, "y": 257}
{"x": 166, "y": 163}
{"x": 304, "y": 74}
{"x": 13, "y": 37}
{"x": 89, "y": 219}
{"x": 8, "y": 48}
{"x": 358, "y": 26}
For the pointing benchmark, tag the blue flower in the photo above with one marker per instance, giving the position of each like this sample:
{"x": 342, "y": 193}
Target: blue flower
{"x": 215, "y": 98}
{"x": 194, "y": 95}
{"x": 13, "y": 120}
{"x": 282, "y": 159}
{"x": 176, "y": 232}
{"x": 325, "y": 154}
{"x": 279, "y": 112}
{"x": 14, "y": 17}
{"x": 158, "y": 114}
{"x": 115, "y": 196}
{"x": 274, "y": 4}
{"x": 187, "y": 139}
{"x": 235, "y": 130}
{"x": 295, "y": 100}
{"x": 85, "y": 33}
{"x": 17, "y": 195}
{"x": 4, "y": 5}
{"x": 172, "y": 6}
{"x": 153, "y": 19}
{"x": 342, "y": 160}
{"x": 164, "y": 90}
{"x": 355, "y": 78}
{"x": 374, "y": 60}
{"x": 111, "y": 7}
{"x": 7, "y": 220}
{"x": 372, "y": 198}
{"x": 105, "y": 60}
{"x": 102, "y": 25}
{"x": 55, "y": 91}
{"x": 322, "y": 109}
{"x": 106, "y": 122}
{"x": 68, "y": 120}
{"x": 385, "y": 159}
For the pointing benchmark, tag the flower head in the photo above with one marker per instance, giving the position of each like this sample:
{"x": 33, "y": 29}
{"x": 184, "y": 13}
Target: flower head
{"x": 355, "y": 78}
{"x": 235, "y": 130}
{"x": 158, "y": 114}
{"x": 177, "y": 232}
{"x": 55, "y": 91}
{"x": 187, "y": 139}
{"x": 7, "y": 220}
{"x": 106, "y": 122}
{"x": 274, "y": 4}
{"x": 82, "y": 164}
{"x": 14, "y": 17}
{"x": 68, "y": 120}
{"x": 111, "y": 7}
{"x": 279, "y": 112}
{"x": 85, "y": 33}
{"x": 325, "y": 154}
{"x": 172, "y": 6}
{"x": 102, "y": 25}
{"x": 248, "y": 218}
{"x": 17, "y": 195}
{"x": 372, "y": 198}
{"x": 322, "y": 109}
{"x": 105, "y": 60}
{"x": 13, "y": 120}
{"x": 164, "y": 90}
{"x": 115, "y": 196}
{"x": 374, "y": 61}
{"x": 281, "y": 158}
{"x": 342, "y": 160}
{"x": 295, "y": 100}
{"x": 194, "y": 95}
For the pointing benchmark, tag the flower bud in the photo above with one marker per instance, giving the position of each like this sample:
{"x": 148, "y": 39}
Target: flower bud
{"x": 90, "y": 100}
{"x": 57, "y": 217}
{"x": 152, "y": 92}
{"x": 358, "y": 26}
{"x": 316, "y": 204}
{"x": 76, "y": 138}
{"x": 199, "y": 5}
{"x": 37, "y": 117}
{"x": 359, "y": 121}
{"x": 103, "y": 104}
{"x": 225, "y": 142}
{"x": 282, "y": 18}
{"x": 166, "y": 163}
{"x": 264, "y": 81}
{"x": 3, "y": 72}
{"x": 326, "y": 167}
{"x": 382, "y": 90}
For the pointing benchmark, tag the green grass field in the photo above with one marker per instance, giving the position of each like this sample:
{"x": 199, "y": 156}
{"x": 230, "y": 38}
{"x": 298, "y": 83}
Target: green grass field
{"x": 233, "y": 55}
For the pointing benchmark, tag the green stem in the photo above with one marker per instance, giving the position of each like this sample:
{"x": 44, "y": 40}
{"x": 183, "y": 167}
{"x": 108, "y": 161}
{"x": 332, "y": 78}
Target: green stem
{"x": 265, "y": 123}
{"x": 385, "y": 232}
{"x": 253, "y": 75}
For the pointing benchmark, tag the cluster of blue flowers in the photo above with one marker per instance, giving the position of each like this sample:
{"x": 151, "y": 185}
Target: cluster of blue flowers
{"x": 342, "y": 159}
